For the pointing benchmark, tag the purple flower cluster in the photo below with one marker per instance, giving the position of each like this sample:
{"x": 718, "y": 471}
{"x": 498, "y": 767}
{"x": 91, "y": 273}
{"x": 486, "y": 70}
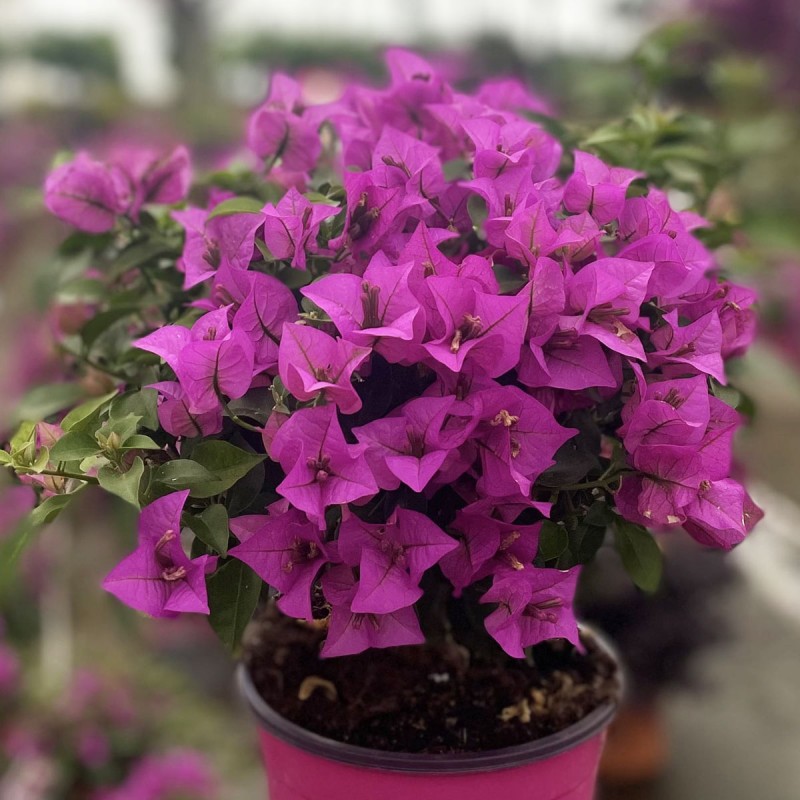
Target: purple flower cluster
{"x": 158, "y": 578}
{"x": 467, "y": 292}
{"x": 91, "y": 194}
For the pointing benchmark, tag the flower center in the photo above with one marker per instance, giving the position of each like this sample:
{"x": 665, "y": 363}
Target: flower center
{"x": 224, "y": 297}
{"x": 395, "y": 551}
{"x": 301, "y": 550}
{"x": 324, "y": 373}
{"x": 162, "y": 557}
{"x": 357, "y": 620}
{"x": 362, "y": 218}
{"x": 672, "y": 397}
{"x": 212, "y": 255}
{"x": 169, "y": 571}
{"x": 688, "y": 348}
{"x": 369, "y": 302}
{"x": 173, "y": 573}
{"x": 504, "y": 418}
{"x": 321, "y": 466}
{"x": 463, "y": 386}
{"x": 606, "y": 313}
{"x": 541, "y": 611}
{"x": 416, "y": 443}
{"x": 391, "y": 162}
{"x": 470, "y": 328}
{"x": 508, "y": 557}
{"x": 563, "y": 340}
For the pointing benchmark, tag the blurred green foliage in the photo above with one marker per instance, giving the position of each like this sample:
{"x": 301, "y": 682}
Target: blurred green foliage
{"x": 86, "y": 54}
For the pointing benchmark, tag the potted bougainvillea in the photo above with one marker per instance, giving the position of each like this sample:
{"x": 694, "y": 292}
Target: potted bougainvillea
{"x": 391, "y": 385}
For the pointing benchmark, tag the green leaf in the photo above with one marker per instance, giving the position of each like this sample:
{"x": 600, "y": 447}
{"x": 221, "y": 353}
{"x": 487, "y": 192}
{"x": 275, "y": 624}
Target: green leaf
{"x": 5, "y": 457}
{"x": 41, "y": 461}
{"x": 87, "y": 289}
{"x": 233, "y": 593}
{"x": 50, "y": 508}
{"x": 44, "y": 513}
{"x": 142, "y": 403}
{"x": 294, "y": 278}
{"x": 641, "y": 555}
{"x": 12, "y": 545}
{"x": 553, "y": 540}
{"x": 241, "y": 497}
{"x": 123, "y": 427}
{"x": 74, "y": 446}
{"x": 138, "y": 254}
{"x": 23, "y": 435}
{"x": 318, "y": 197}
{"x": 123, "y": 484}
{"x": 264, "y": 250}
{"x": 456, "y": 168}
{"x": 478, "y": 211}
{"x": 586, "y": 541}
{"x": 101, "y": 322}
{"x": 577, "y": 457}
{"x": 79, "y": 242}
{"x": 734, "y": 398}
{"x": 211, "y": 527}
{"x": 226, "y": 463}
{"x": 255, "y": 405}
{"x": 184, "y": 474}
{"x": 43, "y": 401}
{"x": 78, "y": 418}
{"x": 600, "y": 514}
{"x": 236, "y": 205}
{"x": 140, "y": 442}
{"x": 510, "y": 280}
{"x": 553, "y": 126}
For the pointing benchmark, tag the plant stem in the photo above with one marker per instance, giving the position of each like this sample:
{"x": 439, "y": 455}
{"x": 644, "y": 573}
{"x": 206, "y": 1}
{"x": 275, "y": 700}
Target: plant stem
{"x": 70, "y": 475}
{"x": 236, "y": 419}
{"x": 602, "y": 482}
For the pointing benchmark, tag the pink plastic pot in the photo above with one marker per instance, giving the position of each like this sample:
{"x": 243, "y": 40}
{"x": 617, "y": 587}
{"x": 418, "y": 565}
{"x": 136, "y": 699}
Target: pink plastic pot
{"x": 305, "y": 766}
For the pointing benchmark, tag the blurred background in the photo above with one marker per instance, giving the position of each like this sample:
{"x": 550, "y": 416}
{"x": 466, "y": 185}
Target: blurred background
{"x": 91, "y": 697}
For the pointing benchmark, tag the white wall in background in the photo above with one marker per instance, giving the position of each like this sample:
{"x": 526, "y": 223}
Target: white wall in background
{"x": 595, "y": 26}
{"x": 139, "y": 26}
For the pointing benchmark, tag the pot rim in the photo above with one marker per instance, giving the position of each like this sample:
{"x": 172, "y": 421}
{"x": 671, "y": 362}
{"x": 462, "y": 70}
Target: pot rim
{"x": 432, "y": 763}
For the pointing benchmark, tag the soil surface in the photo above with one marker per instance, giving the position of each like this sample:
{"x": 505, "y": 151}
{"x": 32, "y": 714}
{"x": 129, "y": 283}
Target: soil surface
{"x": 422, "y": 699}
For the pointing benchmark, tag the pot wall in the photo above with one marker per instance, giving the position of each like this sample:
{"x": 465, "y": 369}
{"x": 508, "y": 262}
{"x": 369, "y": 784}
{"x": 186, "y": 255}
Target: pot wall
{"x": 302, "y": 765}
{"x": 294, "y": 774}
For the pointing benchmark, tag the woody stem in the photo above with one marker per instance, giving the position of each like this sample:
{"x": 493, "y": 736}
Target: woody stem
{"x": 236, "y": 419}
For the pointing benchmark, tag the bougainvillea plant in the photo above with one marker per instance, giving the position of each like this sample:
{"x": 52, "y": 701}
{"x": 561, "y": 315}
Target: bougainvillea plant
{"x": 421, "y": 360}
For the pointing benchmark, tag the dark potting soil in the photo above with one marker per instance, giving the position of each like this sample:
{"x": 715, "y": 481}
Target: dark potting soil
{"x": 421, "y": 699}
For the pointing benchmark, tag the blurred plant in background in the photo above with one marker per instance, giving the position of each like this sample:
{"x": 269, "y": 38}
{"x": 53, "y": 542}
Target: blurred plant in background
{"x": 739, "y": 60}
{"x": 100, "y": 739}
